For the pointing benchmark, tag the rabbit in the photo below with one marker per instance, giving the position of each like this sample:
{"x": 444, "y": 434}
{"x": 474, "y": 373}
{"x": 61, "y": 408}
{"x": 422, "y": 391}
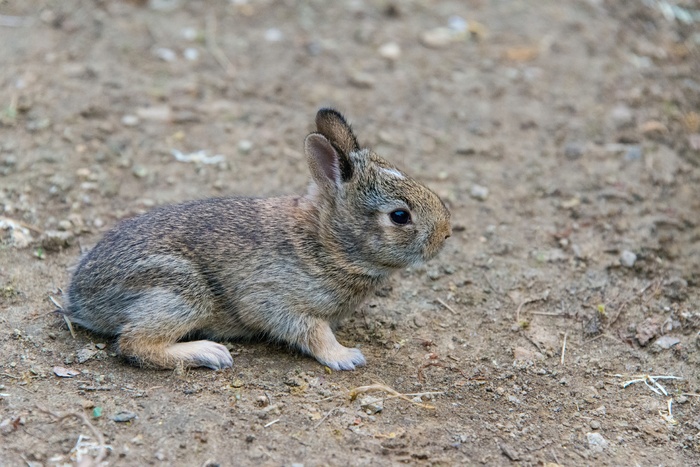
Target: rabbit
{"x": 288, "y": 268}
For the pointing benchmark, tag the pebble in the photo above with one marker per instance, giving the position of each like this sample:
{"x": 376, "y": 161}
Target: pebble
{"x": 165, "y": 54}
{"x": 634, "y": 153}
{"x": 666, "y": 342}
{"x": 621, "y": 116}
{"x": 245, "y": 146}
{"x": 434, "y": 274}
{"x": 65, "y": 372}
{"x": 83, "y": 355}
{"x": 573, "y": 150}
{"x": 65, "y": 224}
{"x": 479, "y": 192}
{"x": 372, "y": 405}
{"x": 595, "y": 425}
{"x": 124, "y": 416}
{"x": 390, "y": 51}
{"x": 191, "y": 54}
{"x": 628, "y": 258}
{"x": 273, "y": 35}
{"x": 361, "y": 80}
{"x": 160, "y": 113}
{"x": 437, "y": 38}
{"x": 139, "y": 171}
{"x": 53, "y": 240}
{"x": 596, "y": 442}
{"x": 189, "y": 33}
{"x": 130, "y": 120}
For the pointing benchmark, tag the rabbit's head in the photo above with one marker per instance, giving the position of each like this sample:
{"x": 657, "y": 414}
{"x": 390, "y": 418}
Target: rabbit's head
{"x": 369, "y": 211}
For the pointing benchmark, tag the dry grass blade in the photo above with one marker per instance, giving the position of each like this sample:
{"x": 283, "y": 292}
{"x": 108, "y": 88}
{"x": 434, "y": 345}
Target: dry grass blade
{"x": 449, "y": 308}
{"x": 213, "y": 45}
{"x": 383, "y": 388}
{"x": 563, "y": 347}
{"x": 102, "y": 448}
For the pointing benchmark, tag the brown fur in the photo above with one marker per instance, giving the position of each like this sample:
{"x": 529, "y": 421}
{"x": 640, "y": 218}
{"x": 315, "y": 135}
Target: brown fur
{"x": 287, "y": 268}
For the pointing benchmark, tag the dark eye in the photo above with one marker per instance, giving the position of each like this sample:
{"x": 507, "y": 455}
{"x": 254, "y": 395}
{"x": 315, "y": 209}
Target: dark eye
{"x": 400, "y": 217}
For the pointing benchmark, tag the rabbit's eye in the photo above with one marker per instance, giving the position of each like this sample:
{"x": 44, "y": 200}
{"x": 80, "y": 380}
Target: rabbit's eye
{"x": 400, "y": 217}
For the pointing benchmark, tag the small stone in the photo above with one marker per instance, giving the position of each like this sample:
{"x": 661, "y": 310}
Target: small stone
{"x": 124, "y": 416}
{"x": 622, "y": 116}
{"x": 139, "y": 171}
{"x": 83, "y": 355}
{"x": 666, "y": 342}
{"x": 191, "y": 54}
{"x": 437, "y": 38}
{"x": 130, "y": 120}
{"x": 634, "y": 153}
{"x": 509, "y": 451}
{"x": 647, "y": 330}
{"x": 165, "y": 54}
{"x": 159, "y": 113}
{"x": 54, "y": 240}
{"x": 521, "y": 354}
{"x": 681, "y": 399}
{"x": 420, "y": 321}
{"x": 595, "y": 425}
{"x": 596, "y": 442}
{"x": 628, "y": 258}
{"x": 372, "y": 405}
{"x": 390, "y": 51}
{"x": 479, "y": 192}
{"x": 573, "y": 150}
{"x": 65, "y": 224}
{"x": 245, "y": 146}
{"x": 273, "y": 35}
{"x": 160, "y": 455}
{"x": 361, "y": 80}
{"x": 434, "y": 274}
{"x": 189, "y": 33}
{"x": 64, "y": 372}
{"x": 101, "y": 346}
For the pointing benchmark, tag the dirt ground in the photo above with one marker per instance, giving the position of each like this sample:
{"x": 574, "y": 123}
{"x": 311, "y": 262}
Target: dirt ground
{"x": 563, "y": 135}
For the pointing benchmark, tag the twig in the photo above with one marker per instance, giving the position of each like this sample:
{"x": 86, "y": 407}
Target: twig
{"x": 449, "y": 308}
{"x": 526, "y": 301}
{"x": 102, "y": 450}
{"x": 381, "y": 387}
{"x": 271, "y": 423}
{"x": 545, "y": 313}
{"x": 213, "y": 46}
{"x": 328, "y": 414}
{"x": 563, "y": 347}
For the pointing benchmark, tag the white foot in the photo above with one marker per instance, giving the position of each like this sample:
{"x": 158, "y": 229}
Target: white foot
{"x": 201, "y": 353}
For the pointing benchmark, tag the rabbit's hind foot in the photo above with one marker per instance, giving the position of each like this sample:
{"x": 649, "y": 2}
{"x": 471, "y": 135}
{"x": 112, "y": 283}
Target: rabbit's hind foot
{"x": 160, "y": 354}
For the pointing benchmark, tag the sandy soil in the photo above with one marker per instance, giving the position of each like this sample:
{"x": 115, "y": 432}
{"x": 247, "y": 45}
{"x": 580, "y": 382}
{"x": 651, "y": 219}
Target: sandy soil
{"x": 564, "y": 136}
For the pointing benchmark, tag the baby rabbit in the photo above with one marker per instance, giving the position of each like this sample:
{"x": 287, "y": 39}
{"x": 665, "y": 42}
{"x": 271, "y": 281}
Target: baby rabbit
{"x": 287, "y": 268}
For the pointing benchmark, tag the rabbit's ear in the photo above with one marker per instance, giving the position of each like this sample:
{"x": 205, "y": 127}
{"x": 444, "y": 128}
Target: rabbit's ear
{"x": 331, "y": 124}
{"x": 325, "y": 161}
